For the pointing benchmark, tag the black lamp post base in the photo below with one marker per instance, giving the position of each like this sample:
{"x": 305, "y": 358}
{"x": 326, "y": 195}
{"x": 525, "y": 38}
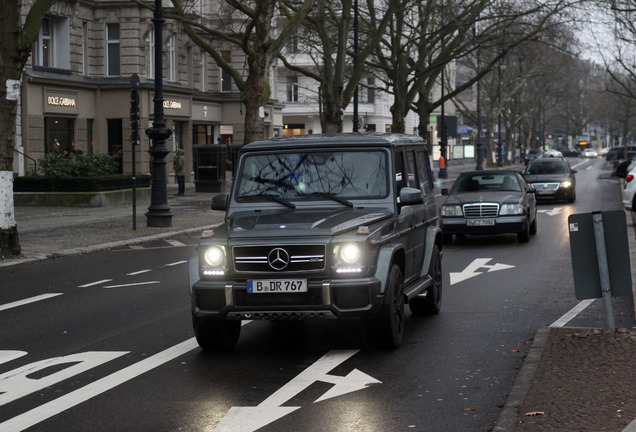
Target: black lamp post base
{"x": 159, "y": 219}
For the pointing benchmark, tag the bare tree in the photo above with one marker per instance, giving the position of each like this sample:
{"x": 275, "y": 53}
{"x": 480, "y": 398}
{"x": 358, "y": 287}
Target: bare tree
{"x": 17, "y": 39}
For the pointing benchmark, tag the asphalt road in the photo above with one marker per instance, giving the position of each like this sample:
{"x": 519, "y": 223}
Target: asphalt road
{"x": 104, "y": 342}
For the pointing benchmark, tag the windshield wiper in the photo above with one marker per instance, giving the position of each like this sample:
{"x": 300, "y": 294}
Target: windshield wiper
{"x": 275, "y": 198}
{"x": 333, "y": 197}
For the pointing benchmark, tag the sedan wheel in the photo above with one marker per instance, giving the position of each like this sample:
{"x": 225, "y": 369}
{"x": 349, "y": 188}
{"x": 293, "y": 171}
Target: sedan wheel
{"x": 524, "y": 236}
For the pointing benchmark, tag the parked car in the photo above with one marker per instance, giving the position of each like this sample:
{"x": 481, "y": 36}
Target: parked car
{"x": 629, "y": 193}
{"x": 552, "y": 153}
{"x": 489, "y": 202}
{"x": 321, "y": 227}
{"x": 616, "y": 154}
{"x": 533, "y": 154}
{"x": 623, "y": 167}
{"x": 552, "y": 178}
{"x": 590, "y": 153}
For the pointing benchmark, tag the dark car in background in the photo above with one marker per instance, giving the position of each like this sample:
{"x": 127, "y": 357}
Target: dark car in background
{"x": 617, "y": 154}
{"x": 570, "y": 152}
{"x": 489, "y": 202}
{"x": 533, "y": 154}
{"x": 552, "y": 178}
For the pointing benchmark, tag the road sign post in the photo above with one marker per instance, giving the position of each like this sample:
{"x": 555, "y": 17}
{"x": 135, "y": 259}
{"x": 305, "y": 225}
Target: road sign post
{"x": 600, "y": 258}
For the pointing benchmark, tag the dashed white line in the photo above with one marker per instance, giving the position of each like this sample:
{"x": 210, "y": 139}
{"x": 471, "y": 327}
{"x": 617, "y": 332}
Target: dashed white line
{"x": 175, "y": 263}
{"x": 28, "y": 300}
{"x": 94, "y": 283}
{"x": 137, "y": 272}
{"x": 131, "y": 284}
{"x": 175, "y": 242}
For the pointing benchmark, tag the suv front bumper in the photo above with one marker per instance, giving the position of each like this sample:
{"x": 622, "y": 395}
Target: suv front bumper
{"x": 334, "y": 298}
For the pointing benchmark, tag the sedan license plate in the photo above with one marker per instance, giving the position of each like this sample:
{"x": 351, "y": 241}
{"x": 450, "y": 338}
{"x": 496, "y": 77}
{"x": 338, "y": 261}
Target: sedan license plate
{"x": 480, "y": 222}
{"x": 264, "y": 286}
{"x": 545, "y": 192}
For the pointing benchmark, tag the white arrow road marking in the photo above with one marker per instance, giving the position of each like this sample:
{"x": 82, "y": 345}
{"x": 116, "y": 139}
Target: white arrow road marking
{"x": 471, "y": 270}
{"x": 552, "y": 212}
{"x": 248, "y": 419}
{"x": 28, "y": 300}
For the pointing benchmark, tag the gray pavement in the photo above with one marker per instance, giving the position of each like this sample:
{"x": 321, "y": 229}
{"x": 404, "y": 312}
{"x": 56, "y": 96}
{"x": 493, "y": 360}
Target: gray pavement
{"x": 570, "y": 380}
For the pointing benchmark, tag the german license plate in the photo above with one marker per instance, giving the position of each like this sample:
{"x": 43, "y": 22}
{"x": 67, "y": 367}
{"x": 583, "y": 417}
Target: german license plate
{"x": 266, "y": 286}
{"x": 545, "y": 191}
{"x": 480, "y": 222}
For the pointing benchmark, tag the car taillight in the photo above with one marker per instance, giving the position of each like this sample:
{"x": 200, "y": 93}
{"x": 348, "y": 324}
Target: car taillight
{"x": 629, "y": 178}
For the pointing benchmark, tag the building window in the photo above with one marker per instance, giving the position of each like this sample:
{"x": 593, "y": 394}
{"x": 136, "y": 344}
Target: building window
{"x": 370, "y": 90}
{"x": 202, "y": 134}
{"x": 226, "y": 78}
{"x": 292, "y": 89}
{"x": 59, "y": 135}
{"x": 150, "y": 54}
{"x": 172, "y": 58}
{"x": 291, "y": 46}
{"x": 112, "y": 49}
{"x": 52, "y": 48}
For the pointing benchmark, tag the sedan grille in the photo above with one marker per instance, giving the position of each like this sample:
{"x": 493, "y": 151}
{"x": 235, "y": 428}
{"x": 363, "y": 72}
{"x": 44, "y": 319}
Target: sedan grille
{"x": 551, "y": 186}
{"x": 481, "y": 210}
{"x": 279, "y": 258}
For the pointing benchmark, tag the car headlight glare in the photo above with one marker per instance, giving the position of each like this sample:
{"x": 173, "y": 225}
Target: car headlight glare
{"x": 214, "y": 256}
{"x": 566, "y": 184}
{"x": 511, "y": 209}
{"x": 451, "y": 210}
{"x": 350, "y": 253}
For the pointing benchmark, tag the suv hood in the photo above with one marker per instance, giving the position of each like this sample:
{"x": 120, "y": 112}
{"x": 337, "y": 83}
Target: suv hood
{"x": 303, "y": 222}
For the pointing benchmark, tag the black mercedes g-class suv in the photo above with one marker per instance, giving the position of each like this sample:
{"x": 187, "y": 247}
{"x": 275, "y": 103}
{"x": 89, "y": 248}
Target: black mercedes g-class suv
{"x": 329, "y": 226}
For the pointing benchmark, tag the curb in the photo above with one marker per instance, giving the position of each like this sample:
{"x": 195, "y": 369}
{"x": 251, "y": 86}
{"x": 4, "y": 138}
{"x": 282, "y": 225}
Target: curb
{"x": 509, "y": 414}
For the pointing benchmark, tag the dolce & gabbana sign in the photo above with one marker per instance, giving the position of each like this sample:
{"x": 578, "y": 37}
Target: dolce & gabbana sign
{"x": 58, "y": 101}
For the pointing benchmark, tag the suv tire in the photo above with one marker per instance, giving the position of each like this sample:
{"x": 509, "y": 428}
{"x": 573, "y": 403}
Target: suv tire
{"x": 216, "y": 334}
{"x": 386, "y": 330}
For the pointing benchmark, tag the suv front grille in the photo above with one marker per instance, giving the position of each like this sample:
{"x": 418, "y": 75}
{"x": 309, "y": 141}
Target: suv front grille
{"x": 279, "y": 258}
{"x": 481, "y": 210}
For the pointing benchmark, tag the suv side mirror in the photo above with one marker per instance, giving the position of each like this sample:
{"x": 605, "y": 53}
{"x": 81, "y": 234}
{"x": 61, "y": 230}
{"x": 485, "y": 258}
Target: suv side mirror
{"x": 219, "y": 202}
{"x": 410, "y": 196}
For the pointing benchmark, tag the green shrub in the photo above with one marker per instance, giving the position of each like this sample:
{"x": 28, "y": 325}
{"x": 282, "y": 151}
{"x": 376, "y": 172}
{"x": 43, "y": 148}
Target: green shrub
{"x": 56, "y": 165}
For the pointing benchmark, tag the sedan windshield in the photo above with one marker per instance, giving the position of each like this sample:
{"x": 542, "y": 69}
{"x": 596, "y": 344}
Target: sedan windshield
{"x": 298, "y": 175}
{"x": 547, "y": 167}
{"x": 488, "y": 182}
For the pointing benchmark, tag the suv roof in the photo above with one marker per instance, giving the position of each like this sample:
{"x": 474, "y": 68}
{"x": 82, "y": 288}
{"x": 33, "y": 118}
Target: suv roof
{"x": 336, "y": 140}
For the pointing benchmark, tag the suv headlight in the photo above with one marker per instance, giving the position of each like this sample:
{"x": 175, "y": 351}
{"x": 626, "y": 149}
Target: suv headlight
{"x": 451, "y": 210}
{"x": 511, "y": 209}
{"x": 566, "y": 184}
{"x": 348, "y": 258}
{"x": 214, "y": 261}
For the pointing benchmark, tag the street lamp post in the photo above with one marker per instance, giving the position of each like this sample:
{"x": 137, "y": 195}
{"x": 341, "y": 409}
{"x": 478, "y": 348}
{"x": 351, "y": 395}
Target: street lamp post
{"x": 355, "y": 61}
{"x": 158, "y": 214}
{"x": 480, "y": 144}
{"x": 443, "y": 171}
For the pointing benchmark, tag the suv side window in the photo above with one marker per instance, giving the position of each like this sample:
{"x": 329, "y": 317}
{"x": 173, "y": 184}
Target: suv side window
{"x": 424, "y": 170}
{"x": 399, "y": 171}
{"x": 412, "y": 172}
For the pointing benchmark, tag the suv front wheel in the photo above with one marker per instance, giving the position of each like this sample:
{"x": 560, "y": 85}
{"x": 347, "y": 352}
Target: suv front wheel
{"x": 386, "y": 329}
{"x": 216, "y": 334}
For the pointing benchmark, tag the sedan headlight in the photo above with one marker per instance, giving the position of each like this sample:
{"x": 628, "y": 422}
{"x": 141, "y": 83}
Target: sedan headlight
{"x": 566, "y": 184}
{"x": 511, "y": 209}
{"x": 451, "y": 210}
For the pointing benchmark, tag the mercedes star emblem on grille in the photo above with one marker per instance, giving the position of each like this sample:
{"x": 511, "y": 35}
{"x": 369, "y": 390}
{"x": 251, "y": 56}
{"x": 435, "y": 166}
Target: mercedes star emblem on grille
{"x": 278, "y": 258}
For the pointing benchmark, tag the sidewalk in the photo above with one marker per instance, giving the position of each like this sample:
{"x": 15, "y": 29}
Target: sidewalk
{"x": 572, "y": 379}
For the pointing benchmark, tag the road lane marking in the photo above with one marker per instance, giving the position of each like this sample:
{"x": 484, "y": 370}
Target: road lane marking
{"x": 132, "y": 284}
{"x": 572, "y": 313}
{"x": 471, "y": 270}
{"x": 249, "y": 419}
{"x": 175, "y": 242}
{"x": 94, "y": 283}
{"x": 137, "y": 272}
{"x": 28, "y": 300}
{"x": 175, "y": 263}
{"x": 54, "y": 407}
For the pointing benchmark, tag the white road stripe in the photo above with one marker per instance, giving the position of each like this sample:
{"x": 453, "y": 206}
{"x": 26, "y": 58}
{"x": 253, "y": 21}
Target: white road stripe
{"x": 572, "y": 313}
{"x": 175, "y": 242}
{"x": 137, "y": 272}
{"x": 175, "y": 263}
{"x": 94, "y": 283}
{"x": 28, "y": 300}
{"x": 54, "y": 407}
{"x": 132, "y": 284}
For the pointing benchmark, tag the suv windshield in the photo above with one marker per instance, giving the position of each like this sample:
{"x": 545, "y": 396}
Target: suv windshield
{"x": 297, "y": 175}
{"x": 547, "y": 167}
